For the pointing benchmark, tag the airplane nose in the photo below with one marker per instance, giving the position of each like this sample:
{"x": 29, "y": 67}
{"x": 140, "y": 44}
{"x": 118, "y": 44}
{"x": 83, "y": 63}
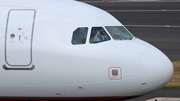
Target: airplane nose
{"x": 155, "y": 70}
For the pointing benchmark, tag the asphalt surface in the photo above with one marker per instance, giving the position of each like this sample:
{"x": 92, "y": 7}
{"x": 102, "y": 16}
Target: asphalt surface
{"x": 155, "y": 22}
{"x": 158, "y": 23}
{"x": 171, "y": 93}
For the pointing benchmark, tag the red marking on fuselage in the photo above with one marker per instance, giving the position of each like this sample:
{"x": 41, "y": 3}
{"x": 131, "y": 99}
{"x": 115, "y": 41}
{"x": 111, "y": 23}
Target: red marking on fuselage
{"x": 69, "y": 99}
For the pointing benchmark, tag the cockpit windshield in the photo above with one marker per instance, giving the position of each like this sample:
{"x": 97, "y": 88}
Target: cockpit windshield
{"x": 119, "y": 33}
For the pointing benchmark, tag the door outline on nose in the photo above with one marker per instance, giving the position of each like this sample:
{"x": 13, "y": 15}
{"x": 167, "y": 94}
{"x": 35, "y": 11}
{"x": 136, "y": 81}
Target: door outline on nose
{"x": 18, "y": 47}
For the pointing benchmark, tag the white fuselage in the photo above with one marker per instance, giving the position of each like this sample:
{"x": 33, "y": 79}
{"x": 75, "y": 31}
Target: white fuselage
{"x": 38, "y": 58}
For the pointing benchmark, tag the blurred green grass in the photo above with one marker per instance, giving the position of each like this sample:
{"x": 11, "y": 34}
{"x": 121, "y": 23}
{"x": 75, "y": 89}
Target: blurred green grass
{"x": 174, "y": 83}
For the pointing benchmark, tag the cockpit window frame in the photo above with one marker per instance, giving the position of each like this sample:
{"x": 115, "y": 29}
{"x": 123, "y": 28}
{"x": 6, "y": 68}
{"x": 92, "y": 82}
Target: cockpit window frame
{"x": 94, "y": 33}
{"x": 124, "y": 28}
{"x": 75, "y": 39}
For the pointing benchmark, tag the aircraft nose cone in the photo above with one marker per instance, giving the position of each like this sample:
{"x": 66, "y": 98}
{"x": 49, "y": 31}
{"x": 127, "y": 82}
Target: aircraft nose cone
{"x": 155, "y": 70}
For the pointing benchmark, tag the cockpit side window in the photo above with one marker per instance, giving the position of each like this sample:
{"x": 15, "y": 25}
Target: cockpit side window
{"x": 119, "y": 33}
{"x": 79, "y": 36}
{"x": 98, "y": 34}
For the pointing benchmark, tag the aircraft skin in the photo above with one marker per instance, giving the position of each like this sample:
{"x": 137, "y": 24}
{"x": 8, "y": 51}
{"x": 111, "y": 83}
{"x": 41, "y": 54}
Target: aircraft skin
{"x": 40, "y": 61}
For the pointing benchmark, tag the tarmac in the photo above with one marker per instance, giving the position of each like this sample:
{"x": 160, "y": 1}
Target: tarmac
{"x": 129, "y": 0}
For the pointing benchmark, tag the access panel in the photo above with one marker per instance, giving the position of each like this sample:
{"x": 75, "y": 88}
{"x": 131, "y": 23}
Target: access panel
{"x": 18, "y": 38}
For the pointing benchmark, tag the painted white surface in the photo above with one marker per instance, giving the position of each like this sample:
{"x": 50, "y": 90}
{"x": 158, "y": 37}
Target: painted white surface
{"x": 66, "y": 70}
{"x": 18, "y": 37}
{"x": 164, "y": 99}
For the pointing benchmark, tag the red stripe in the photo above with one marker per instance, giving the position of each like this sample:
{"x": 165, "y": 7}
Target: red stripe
{"x": 67, "y": 99}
